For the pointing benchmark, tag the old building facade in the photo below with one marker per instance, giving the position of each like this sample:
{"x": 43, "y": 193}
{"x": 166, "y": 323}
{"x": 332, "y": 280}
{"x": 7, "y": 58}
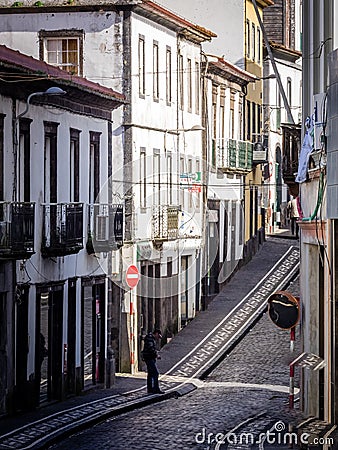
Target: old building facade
{"x": 54, "y": 297}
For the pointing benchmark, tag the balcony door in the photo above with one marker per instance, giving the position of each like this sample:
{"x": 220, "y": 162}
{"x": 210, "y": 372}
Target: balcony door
{"x": 50, "y": 162}
{"x": 23, "y": 163}
{"x": 94, "y": 167}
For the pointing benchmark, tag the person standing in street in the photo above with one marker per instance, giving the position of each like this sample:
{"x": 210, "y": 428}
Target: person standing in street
{"x": 150, "y": 354}
{"x": 294, "y": 216}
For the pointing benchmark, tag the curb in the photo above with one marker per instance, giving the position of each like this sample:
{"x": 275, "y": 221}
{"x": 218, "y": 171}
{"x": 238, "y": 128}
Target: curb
{"x": 70, "y": 429}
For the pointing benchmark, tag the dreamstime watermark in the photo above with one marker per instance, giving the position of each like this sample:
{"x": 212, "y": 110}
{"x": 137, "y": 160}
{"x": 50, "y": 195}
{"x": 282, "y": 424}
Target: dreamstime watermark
{"x": 279, "y": 434}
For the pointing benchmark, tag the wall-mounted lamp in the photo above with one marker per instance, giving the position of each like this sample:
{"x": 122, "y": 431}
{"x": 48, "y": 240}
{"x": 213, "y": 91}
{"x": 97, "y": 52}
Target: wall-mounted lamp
{"x": 54, "y": 90}
{"x": 179, "y": 130}
{"x": 272, "y": 76}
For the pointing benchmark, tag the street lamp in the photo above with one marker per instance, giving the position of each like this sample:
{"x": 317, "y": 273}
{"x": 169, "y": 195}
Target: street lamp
{"x": 193, "y": 128}
{"x": 272, "y": 76}
{"x": 53, "y": 90}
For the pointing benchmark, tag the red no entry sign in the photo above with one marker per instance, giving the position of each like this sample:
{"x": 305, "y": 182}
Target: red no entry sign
{"x": 132, "y": 276}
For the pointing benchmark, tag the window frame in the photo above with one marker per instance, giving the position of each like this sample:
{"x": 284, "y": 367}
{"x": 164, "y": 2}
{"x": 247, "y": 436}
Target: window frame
{"x": 189, "y": 84}
{"x": 141, "y": 66}
{"x": 74, "y": 165}
{"x": 253, "y": 42}
{"x": 181, "y": 81}
{"x": 197, "y": 87}
{"x": 259, "y": 45}
{"x": 168, "y": 75}
{"x": 248, "y": 40}
{"x": 45, "y": 35}
{"x": 156, "y": 81}
{"x": 94, "y": 166}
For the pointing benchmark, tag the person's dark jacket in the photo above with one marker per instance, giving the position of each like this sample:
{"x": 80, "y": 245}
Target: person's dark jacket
{"x": 149, "y": 349}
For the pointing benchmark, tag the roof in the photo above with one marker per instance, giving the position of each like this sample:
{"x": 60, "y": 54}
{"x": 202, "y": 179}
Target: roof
{"x": 33, "y": 75}
{"x": 295, "y": 54}
{"x": 148, "y": 8}
{"x": 231, "y": 72}
{"x": 172, "y": 19}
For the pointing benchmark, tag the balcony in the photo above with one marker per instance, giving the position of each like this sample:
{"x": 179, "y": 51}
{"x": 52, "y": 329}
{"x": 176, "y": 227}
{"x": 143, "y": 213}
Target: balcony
{"x": 16, "y": 230}
{"x": 233, "y": 155}
{"x": 291, "y": 149}
{"x": 62, "y": 231}
{"x": 164, "y": 223}
{"x": 105, "y": 228}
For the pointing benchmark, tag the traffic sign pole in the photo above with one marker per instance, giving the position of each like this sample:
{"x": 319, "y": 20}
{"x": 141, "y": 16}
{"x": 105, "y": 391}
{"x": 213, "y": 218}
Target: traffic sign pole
{"x": 292, "y": 369}
{"x": 292, "y": 339}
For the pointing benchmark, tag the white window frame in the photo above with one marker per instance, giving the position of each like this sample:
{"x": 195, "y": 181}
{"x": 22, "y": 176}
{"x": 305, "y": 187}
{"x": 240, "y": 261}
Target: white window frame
{"x": 63, "y": 65}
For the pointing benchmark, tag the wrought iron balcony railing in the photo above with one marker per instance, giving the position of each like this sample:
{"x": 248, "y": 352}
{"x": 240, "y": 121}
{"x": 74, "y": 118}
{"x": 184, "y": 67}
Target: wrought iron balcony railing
{"x": 165, "y": 222}
{"x": 16, "y": 230}
{"x": 233, "y": 154}
{"x": 62, "y": 231}
{"x": 105, "y": 227}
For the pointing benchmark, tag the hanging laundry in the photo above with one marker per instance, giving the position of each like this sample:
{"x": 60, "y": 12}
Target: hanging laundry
{"x": 306, "y": 149}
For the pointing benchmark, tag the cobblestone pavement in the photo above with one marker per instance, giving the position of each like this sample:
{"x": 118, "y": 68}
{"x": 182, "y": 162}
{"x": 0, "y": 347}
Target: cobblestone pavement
{"x": 195, "y": 420}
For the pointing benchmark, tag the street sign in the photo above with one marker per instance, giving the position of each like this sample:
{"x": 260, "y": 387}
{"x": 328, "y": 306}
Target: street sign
{"x": 309, "y": 361}
{"x": 132, "y": 276}
{"x": 283, "y": 309}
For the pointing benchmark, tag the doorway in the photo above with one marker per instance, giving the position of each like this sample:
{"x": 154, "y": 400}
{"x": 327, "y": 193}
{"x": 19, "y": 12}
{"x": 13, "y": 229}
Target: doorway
{"x": 22, "y": 392}
{"x": 93, "y": 331}
{"x": 48, "y": 343}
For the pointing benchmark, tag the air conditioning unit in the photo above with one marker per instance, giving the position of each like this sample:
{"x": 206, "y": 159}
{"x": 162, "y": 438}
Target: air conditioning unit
{"x": 102, "y": 228}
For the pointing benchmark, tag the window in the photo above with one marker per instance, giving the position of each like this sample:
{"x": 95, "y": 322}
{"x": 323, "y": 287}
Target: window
{"x": 190, "y": 191}
{"x": 222, "y": 118}
{"x": 181, "y": 187}
{"x": 289, "y": 91}
{"x": 189, "y": 85}
{"x": 143, "y": 178}
{"x": 232, "y": 115}
{"x": 248, "y": 120}
{"x": 156, "y": 176}
{"x": 168, "y": 76}
{"x": 198, "y": 195}
{"x": 247, "y": 39}
{"x": 259, "y": 46}
{"x": 141, "y": 66}
{"x": 94, "y": 166}
{"x": 197, "y": 87}
{"x": 253, "y": 41}
{"x": 74, "y": 175}
{"x": 63, "y": 49}
{"x": 170, "y": 178}
{"x": 181, "y": 81}
{"x": 278, "y": 108}
{"x": 155, "y": 72}
{"x": 23, "y": 164}
{"x": 254, "y": 122}
{"x": 259, "y": 119}
{"x": 50, "y": 166}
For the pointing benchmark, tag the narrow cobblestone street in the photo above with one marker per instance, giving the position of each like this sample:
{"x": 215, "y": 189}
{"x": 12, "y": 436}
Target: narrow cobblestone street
{"x": 193, "y": 421}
